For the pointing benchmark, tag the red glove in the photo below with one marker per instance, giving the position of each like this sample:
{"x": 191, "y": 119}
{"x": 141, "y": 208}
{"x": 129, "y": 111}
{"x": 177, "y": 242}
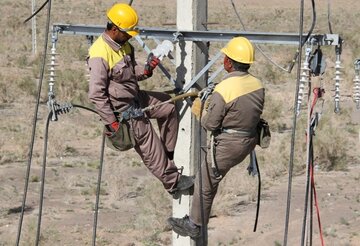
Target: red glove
{"x": 113, "y": 127}
{"x": 151, "y": 64}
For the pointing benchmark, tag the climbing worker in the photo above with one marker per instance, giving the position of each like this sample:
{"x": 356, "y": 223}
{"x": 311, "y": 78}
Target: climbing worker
{"x": 114, "y": 89}
{"x": 231, "y": 113}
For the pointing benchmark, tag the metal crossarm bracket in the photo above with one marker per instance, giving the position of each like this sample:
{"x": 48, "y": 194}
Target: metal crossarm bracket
{"x": 197, "y": 76}
{"x": 204, "y": 36}
{"x": 201, "y": 36}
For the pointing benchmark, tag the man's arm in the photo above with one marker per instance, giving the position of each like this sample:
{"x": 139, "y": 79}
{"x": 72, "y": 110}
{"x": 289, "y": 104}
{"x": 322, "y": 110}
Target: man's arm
{"x": 146, "y": 71}
{"x": 98, "y": 89}
{"x": 215, "y": 113}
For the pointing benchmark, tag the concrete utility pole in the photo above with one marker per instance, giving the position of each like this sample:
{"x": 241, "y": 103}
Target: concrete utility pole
{"x": 190, "y": 58}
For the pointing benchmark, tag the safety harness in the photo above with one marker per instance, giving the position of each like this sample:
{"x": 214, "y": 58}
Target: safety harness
{"x": 132, "y": 112}
{"x": 214, "y": 165}
{"x": 213, "y": 144}
{"x": 123, "y": 138}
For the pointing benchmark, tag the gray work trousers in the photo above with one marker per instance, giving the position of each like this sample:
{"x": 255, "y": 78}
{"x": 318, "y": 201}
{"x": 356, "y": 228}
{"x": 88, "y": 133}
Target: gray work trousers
{"x": 230, "y": 151}
{"x": 152, "y": 148}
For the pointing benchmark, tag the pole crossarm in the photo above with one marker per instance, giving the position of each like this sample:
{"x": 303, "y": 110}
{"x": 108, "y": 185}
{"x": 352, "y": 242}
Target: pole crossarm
{"x": 204, "y": 36}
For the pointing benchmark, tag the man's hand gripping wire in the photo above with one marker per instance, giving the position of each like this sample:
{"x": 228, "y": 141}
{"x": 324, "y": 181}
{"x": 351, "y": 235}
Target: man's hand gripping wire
{"x": 202, "y": 98}
{"x": 151, "y": 63}
{"x": 206, "y": 92}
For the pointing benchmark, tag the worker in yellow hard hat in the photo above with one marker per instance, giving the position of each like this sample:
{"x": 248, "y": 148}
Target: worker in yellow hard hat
{"x": 124, "y": 20}
{"x": 232, "y": 115}
{"x": 114, "y": 89}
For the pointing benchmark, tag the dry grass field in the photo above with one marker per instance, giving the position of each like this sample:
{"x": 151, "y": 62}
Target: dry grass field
{"x": 133, "y": 205}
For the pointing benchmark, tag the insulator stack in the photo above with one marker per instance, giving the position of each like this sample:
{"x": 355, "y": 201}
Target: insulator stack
{"x": 52, "y": 65}
{"x": 337, "y": 84}
{"x": 304, "y": 80}
{"x": 337, "y": 78}
{"x": 356, "y": 93}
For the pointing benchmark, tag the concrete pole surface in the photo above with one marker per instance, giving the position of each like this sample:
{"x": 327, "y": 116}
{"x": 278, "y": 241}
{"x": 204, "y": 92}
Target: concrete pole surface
{"x": 191, "y": 15}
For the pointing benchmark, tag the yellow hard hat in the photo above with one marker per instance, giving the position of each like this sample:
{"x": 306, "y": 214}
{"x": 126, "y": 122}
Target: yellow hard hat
{"x": 240, "y": 49}
{"x": 124, "y": 17}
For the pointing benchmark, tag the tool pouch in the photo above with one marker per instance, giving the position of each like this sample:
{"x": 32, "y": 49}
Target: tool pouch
{"x": 264, "y": 135}
{"x": 122, "y": 139}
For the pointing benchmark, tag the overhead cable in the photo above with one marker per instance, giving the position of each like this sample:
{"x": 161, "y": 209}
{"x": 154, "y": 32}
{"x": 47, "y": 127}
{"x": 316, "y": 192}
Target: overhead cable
{"x": 328, "y": 17}
{"x": 37, "y": 11}
{"x": 306, "y": 39}
{"x": 256, "y": 45}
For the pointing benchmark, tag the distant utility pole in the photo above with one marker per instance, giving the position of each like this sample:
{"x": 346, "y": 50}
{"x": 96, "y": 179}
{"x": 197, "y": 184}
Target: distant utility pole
{"x": 33, "y": 28}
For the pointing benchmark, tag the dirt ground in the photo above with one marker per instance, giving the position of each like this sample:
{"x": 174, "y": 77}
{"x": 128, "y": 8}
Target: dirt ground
{"x": 133, "y": 205}
{"x": 134, "y": 208}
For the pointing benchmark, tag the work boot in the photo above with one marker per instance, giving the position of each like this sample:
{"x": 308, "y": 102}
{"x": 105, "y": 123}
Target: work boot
{"x": 177, "y": 193}
{"x": 184, "y": 183}
{"x": 184, "y": 186}
{"x": 184, "y": 227}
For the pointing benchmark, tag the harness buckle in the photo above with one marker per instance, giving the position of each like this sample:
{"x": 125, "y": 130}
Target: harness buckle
{"x": 239, "y": 132}
{"x": 131, "y": 113}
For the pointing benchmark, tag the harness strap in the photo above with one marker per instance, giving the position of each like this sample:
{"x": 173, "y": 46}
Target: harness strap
{"x": 241, "y": 133}
{"x": 214, "y": 166}
{"x": 132, "y": 112}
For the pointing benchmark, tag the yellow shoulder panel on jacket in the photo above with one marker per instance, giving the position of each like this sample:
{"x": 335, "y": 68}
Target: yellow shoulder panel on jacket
{"x": 102, "y": 50}
{"x": 235, "y": 87}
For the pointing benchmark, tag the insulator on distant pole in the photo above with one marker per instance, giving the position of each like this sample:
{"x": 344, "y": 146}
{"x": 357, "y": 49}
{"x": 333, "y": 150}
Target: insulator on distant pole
{"x": 356, "y": 92}
{"x": 51, "y": 93}
{"x": 337, "y": 85}
{"x": 304, "y": 80}
{"x": 337, "y": 78}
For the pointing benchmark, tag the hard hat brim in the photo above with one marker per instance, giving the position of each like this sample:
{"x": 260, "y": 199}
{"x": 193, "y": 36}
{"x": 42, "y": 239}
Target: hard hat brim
{"x": 133, "y": 33}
